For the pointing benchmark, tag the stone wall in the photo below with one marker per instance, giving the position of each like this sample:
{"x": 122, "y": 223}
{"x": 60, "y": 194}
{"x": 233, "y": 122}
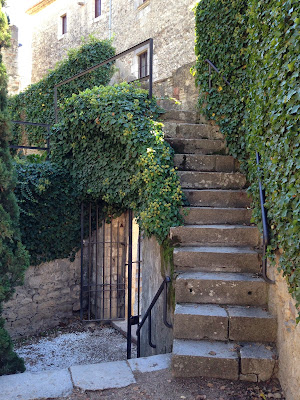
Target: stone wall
{"x": 50, "y": 295}
{"x": 152, "y": 278}
{"x": 10, "y": 60}
{"x": 169, "y": 22}
{"x": 282, "y": 305}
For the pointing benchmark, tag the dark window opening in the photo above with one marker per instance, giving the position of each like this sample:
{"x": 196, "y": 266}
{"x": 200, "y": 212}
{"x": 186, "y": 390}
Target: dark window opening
{"x": 64, "y": 24}
{"x": 97, "y": 8}
{"x": 143, "y": 64}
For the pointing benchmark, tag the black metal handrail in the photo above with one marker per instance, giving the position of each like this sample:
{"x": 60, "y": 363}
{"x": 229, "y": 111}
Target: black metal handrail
{"x": 261, "y": 190}
{"x": 47, "y": 126}
{"x": 111, "y": 59}
{"x": 163, "y": 288}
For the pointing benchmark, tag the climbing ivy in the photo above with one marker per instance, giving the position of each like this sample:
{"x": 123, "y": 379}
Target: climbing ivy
{"x": 256, "y": 47}
{"x": 114, "y": 150}
{"x": 50, "y": 211}
{"x": 13, "y": 256}
{"x": 36, "y": 103}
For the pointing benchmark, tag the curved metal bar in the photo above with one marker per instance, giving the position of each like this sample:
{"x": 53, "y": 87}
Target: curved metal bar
{"x": 211, "y": 65}
{"x": 166, "y": 281}
{"x": 264, "y": 223}
{"x": 150, "y": 331}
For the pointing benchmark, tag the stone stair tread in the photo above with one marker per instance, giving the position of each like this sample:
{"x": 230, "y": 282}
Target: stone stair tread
{"x": 212, "y": 249}
{"x": 224, "y": 310}
{"x": 199, "y": 146}
{"x": 219, "y": 276}
{"x": 211, "y": 180}
{"x": 205, "y": 162}
{"x": 217, "y": 197}
{"x": 232, "y": 360}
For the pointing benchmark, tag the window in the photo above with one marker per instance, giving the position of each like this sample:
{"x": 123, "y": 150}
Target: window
{"x": 64, "y": 24}
{"x": 97, "y": 8}
{"x": 143, "y": 64}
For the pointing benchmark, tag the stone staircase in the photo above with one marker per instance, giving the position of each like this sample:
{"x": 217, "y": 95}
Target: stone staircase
{"x": 222, "y": 328}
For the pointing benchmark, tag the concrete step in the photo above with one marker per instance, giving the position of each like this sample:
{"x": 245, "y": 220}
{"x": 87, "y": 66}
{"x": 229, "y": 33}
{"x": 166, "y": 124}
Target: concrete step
{"x": 246, "y": 361}
{"x": 216, "y": 259}
{"x": 211, "y": 180}
{"x": 199, "y": 146}
{"x": 212, "y": 163}
{"x": 191, "y": 131}
{"x": 210, "y": 215}
{"x": 215, "y": 235}
{"x": 191, "y": 117}
{"x": 217, "y": 198}
{"x": 213, "y": 322}
{"x": 221, "y": 288}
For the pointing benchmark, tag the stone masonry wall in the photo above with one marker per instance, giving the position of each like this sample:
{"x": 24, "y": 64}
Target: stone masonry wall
{"x": 169, "y": 22}
{"x": 50, "y": 295}
{"x": 10, "y": 60}
{"x": 282, "y": 305}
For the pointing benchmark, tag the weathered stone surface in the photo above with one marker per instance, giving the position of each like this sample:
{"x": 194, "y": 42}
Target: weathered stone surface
{"x": 282, "y": 305}
{"x": 29, "y": 386}
{"x": 216, "y": 235}
{"x": 203, "y": 358}
{"x": 258, "y": 359}
{"x": 217, "y": 198}
{"x": 251, "y": 324}
{"x": 200, "y": 146}
{"x": 150, "y": 364}
{"x": 200, "y": 321}
{"x": 184, "y": 116}
{"x": 191, "y": 131}
{"x": 102, "y": 376}
{"x": 220, "y": 288}
{"x": 210, "y": 215}
{"x": 208, "y": 163}
{"x": 211, "y": 180}
{"x": 10, "y": 60}
{"x": 218, "y": 259}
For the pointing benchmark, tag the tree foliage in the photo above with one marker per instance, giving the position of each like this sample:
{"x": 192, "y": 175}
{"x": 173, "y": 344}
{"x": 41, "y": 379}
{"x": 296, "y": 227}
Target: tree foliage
{"x": 13, "y": 256}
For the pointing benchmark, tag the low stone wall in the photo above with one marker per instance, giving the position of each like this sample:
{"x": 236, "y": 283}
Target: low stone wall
{"x": 50, "y": 295}
{"x": 282, "y": 305}
{"x": 152, "y": 278}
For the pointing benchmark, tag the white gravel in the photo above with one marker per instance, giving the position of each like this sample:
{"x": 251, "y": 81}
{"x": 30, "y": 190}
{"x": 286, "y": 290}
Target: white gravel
{"x": 64, "y": 349}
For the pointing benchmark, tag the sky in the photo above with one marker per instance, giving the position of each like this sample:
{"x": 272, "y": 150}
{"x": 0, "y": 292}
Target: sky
{"x": 15, "y": 9}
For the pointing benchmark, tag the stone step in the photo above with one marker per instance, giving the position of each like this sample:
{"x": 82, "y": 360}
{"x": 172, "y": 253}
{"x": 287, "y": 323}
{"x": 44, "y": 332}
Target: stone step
{"x": 245, "y": 361}
{"x": 241, "y": 289}
{"x": 200, "y": 146}
{"x": 191, "y": 131}
{"x": 217, "y": 198}
{"x": 216, "y": 259}
{"x": 211, "y": 180}
{"x": 213, "y": 322}
{"x": 210, "y": 215}
{"x": 213, "y": 163}
{"x": 191, "y": 117}
{"x": 215, "y": 235}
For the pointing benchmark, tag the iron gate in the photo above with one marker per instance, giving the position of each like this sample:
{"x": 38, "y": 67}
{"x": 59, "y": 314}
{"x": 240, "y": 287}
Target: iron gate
{"x": 110, "y": 267}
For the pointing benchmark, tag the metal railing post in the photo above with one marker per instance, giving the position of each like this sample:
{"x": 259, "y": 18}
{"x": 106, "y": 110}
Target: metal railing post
{"x": 129, "y": 294}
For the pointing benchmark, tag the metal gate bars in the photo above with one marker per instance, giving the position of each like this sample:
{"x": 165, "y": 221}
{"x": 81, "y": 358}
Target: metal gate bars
{"x": 103, "y": 266}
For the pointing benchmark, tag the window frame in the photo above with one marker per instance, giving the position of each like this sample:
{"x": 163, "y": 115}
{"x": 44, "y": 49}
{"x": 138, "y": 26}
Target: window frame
{"x": 97, "y": 9}
{"x": 143, "y": 57}
{"x": 64, "y": 24}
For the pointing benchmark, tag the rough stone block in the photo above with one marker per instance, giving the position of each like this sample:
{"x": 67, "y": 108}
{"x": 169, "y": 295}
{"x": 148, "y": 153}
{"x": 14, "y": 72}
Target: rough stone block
{"x": 203, "y": 358}
{"x": 257, "y": 359}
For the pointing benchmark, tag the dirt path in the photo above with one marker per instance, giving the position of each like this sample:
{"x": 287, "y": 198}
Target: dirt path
{"x": 160, "y": 385}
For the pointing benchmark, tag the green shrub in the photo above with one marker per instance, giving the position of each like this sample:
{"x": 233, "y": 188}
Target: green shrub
{"x": 36, "y": 103}
{"x": 13, "y": 256}
{"x": 109, "y": 141}
{"x": 257, "y": 50}
{"x": 50, "y": 211}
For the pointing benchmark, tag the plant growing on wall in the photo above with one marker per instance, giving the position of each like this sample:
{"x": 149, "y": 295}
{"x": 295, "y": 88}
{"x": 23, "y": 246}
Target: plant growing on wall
{"x": 109, "y": 142}
{"x": 255, "y": 45}
{"x": 36, "y": 103}
{"x": 13, "y": 256}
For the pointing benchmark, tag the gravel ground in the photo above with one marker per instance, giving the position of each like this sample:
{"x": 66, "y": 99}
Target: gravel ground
{"x": 160, "y": 385}
{"x": 72, "y": 344}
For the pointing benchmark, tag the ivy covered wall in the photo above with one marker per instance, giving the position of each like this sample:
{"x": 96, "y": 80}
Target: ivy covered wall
{"x": 255, "y": 45}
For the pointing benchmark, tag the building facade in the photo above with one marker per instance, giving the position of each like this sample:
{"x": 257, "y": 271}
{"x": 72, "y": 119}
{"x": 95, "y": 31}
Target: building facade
{"x": 60, "y": 25}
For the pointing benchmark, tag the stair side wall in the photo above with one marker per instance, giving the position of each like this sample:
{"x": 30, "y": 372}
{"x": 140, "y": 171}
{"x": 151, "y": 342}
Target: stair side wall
{"x": 282, "y": 305}
{"x": 152, "y": 278}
